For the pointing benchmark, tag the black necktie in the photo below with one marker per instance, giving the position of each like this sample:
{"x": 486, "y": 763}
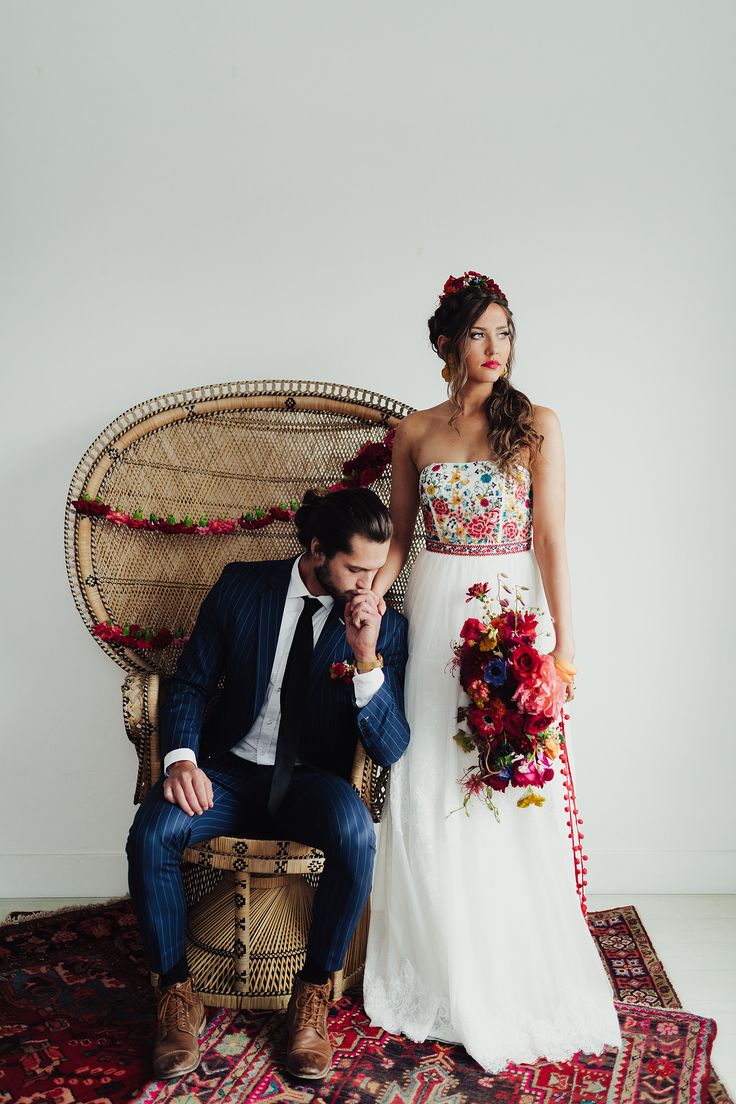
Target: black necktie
{"x": 294, "y": 687}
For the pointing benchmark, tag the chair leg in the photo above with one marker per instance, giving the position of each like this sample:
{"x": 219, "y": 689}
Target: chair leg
{"x": 241, "y": 965}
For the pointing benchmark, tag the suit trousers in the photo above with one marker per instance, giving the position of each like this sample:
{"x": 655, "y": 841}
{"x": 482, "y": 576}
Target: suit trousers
{"x": 320, "y": 809}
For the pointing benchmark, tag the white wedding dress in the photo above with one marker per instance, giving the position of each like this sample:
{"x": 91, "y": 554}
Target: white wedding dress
{"x": 477, "y": 933}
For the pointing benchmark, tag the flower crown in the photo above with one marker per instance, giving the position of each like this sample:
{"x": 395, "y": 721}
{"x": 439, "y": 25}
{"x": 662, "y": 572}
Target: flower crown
{"x": 471, "y": 279}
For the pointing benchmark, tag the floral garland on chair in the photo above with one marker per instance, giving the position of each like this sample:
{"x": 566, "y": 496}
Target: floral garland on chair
{"x": 363, "y": 469}
{"x": 139, "y": 638}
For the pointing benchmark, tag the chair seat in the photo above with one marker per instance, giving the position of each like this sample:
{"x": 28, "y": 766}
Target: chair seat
{"x": 256, "y": 856}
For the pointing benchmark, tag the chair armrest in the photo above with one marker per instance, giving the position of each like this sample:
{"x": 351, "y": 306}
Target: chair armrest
{"x": 140, "y": 714}
{"x": 370, "y": 780}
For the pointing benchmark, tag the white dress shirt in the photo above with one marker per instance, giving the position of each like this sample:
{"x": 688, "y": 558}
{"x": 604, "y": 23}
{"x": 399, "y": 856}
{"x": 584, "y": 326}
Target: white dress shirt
{"x": 259, "y": 743}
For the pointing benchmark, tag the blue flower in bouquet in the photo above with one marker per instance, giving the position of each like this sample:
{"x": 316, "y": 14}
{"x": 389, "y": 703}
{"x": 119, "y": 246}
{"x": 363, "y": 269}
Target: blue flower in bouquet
{"x": 494, "y": 671}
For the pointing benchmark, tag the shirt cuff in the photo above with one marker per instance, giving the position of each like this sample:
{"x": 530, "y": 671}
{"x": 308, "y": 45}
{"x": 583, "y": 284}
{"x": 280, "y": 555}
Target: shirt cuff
{"x": 176, "y": 755}
{"x": 366, "y": 684}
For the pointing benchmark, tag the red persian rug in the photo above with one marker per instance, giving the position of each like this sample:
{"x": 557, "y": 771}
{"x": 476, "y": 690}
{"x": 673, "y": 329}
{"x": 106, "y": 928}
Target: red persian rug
{"x": 77, "y": 1016}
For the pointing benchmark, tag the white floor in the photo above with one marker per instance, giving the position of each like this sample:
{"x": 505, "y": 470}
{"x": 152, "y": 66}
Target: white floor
{"x": 694, "y": 935}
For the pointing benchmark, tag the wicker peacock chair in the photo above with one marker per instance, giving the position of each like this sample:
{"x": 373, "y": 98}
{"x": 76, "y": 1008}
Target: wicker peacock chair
{"x": 219, "y": 451}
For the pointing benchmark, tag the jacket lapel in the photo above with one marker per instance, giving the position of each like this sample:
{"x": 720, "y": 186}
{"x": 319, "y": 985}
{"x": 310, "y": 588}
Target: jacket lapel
{"x": 270, "y": 611}
{"x": 330, "y": 639}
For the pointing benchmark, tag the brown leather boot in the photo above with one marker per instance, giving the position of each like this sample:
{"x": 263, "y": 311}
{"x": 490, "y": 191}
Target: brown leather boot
{"x": 308, "y": 1051}
{"x": 181, "y": 1018}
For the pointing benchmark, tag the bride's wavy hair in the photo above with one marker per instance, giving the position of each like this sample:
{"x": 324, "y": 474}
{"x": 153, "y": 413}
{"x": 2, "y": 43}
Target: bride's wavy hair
{"x": 510, "y": 413}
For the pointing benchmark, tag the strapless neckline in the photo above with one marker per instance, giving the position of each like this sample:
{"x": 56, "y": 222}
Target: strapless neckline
{"x": 466, "y": 464}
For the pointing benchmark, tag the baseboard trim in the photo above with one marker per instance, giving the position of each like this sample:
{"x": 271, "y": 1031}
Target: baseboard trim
{"x": 609, "y": 872}
{"x": 625, "y": 872}
{"x": 64, "y": 875}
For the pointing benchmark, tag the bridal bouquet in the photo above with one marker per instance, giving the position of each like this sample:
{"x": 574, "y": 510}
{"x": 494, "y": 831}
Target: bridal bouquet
{"x": 513, "y": 719}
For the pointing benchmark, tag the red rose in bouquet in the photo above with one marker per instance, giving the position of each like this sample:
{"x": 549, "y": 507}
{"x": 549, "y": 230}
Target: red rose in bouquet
{"x": 512, "y": 719}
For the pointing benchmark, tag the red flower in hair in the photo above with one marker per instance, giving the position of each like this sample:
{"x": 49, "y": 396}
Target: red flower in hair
{"x": 454, "y": 284}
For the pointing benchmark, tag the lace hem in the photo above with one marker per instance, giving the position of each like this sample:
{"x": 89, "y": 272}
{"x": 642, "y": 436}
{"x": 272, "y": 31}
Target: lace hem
{"x": 409, "y": 1009}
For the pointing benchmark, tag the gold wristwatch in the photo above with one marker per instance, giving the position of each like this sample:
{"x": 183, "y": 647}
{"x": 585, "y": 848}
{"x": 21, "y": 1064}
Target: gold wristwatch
{"x": 361, "y": 668}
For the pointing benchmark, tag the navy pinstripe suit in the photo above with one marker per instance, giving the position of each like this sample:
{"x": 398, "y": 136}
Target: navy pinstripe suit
{"x": 236, "y": 635}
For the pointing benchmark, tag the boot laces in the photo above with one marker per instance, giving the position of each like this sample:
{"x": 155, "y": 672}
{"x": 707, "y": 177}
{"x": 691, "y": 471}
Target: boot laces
{"x": 312, "y": 1004}
{"x": 177, "y": 1009}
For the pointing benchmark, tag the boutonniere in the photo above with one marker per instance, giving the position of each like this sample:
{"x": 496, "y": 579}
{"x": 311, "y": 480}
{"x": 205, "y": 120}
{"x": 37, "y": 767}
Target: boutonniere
{"x": 342, "y": 671}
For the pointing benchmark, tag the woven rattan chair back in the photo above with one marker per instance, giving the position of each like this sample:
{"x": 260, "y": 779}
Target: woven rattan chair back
{"x": 219, "y": 452}
{"x": 214, "y": 452}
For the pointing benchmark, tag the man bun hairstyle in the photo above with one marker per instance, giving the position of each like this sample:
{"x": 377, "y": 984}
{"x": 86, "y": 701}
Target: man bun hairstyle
{"x": 335, "y": 517}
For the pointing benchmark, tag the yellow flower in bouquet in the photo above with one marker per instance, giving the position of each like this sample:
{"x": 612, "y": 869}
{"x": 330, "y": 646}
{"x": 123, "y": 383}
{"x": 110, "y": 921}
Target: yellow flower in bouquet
{"x": 530, "y": 798}
{"x": 552, "y": 746}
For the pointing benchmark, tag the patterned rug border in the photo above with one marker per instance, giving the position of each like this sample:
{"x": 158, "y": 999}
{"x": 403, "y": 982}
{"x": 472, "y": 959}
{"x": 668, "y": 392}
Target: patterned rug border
{"x": 644, "y": 942}
{"x": 717, "y": 1092}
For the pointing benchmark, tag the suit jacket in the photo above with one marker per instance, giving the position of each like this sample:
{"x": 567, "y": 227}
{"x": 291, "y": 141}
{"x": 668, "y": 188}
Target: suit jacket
{"x": 236, "y": 634}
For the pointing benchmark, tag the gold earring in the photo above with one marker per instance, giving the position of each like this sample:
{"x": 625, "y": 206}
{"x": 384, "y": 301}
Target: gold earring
{"x": 446, "y": 373}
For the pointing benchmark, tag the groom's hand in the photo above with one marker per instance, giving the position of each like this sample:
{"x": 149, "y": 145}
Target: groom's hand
{"x": 188, "y": 787}
{"x": 362, "y": 625}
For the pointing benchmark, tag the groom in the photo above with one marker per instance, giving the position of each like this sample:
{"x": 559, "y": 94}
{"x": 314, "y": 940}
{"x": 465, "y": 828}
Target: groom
{"x": 274, "y": 759}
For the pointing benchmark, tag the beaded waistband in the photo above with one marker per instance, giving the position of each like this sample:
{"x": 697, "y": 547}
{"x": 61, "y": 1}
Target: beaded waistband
{"x": 505, "y": 549}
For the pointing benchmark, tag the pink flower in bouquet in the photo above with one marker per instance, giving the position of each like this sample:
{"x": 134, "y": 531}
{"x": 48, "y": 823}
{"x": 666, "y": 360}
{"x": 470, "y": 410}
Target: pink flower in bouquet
{"x": 544, "y": 692}
{"x": 516, "y": 628}
{"x": 525, "y": 630}
{"x": 478, "y": 691}
{"x": 525, "y": 661}
{"x": 477, "y": 590}
{"x": 531, "y": 774}
{"x": 474, "y": 784}
{"x": 473, "y": 629}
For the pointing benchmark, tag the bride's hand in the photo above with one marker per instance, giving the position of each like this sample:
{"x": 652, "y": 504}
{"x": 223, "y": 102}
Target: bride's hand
{"x": 373, "y": 599}
{"x": 566, "y": 670}
{"x": 380, "y": 603}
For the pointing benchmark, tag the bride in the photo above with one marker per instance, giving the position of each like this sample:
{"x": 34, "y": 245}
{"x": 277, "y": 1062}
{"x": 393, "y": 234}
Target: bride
{"x": 477, "y": 932}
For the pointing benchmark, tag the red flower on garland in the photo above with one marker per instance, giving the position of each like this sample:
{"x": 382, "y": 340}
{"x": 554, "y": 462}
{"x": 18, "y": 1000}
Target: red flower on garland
{"x": 259, "y": 520}
{"x": 95, "y": 507}
{"x": 141, "y": 639}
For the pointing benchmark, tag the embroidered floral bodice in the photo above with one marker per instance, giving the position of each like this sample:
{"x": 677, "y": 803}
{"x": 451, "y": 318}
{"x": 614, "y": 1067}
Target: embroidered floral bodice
{"x": 473, "y": 507}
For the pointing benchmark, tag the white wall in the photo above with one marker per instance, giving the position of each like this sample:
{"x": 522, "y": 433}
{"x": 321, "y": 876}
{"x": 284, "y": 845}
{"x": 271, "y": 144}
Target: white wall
{"x": 198, "y": 192}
